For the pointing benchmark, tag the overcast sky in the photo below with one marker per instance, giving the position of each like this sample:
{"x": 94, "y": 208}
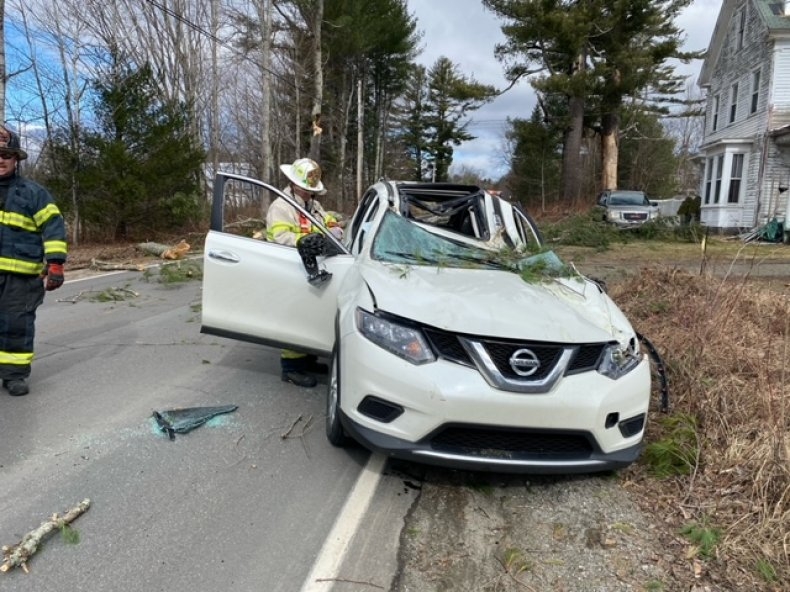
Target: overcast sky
{"x": 466, "y": 33}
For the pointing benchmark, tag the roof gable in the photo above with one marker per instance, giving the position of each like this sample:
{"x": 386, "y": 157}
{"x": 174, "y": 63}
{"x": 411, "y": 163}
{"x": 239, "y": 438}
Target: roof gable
{"x": 773, "y": 14}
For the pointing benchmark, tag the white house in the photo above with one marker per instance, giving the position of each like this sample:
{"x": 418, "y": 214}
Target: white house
{"x": 745, "y": 152}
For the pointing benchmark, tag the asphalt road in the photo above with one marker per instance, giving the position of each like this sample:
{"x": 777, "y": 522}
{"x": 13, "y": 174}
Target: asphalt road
{"x": 245, "y": 502}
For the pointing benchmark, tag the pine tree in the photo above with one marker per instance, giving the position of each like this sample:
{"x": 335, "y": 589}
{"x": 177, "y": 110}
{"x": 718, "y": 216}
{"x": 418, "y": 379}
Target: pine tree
{"x": 596, "y": 53}
{"x": 551, "y": 39}
{"x": 451, "y": 96}
{"x": 140, "y": 168}
{"x": 535, "y": 173}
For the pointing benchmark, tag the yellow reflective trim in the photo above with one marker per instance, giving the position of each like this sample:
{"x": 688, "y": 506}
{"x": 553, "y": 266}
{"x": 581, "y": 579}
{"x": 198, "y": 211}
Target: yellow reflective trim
{"x": 18, "y": 220}
{"x": 20, "y": 266}
{"x": 16, "y": 359}
{"x": 55, "y": 246}
{"x": 50, "y": 211}
{"x": 280, "y": 227}
{"x": 288, "y": 354}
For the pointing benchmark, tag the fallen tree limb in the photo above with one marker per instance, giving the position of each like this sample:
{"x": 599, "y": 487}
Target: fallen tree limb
{"x": 108, "y": 266}
{"x": 19, "y": 555}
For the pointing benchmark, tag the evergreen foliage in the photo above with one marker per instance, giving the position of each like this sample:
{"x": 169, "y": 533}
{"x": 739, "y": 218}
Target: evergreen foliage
{"x": 437, "y": 102}
{"x": 140, "y": 169}
{"x": 647, "y": 155}
{"x": 597, "y": 54}
{"x": 536, "y": 169}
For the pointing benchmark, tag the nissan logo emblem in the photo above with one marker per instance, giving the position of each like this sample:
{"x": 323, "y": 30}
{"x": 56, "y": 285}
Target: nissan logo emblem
{"x": 524, "y": 362}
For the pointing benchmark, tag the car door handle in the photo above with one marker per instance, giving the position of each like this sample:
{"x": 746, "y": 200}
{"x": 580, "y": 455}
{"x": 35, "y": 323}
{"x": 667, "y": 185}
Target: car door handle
{"x": 224, "y": 256}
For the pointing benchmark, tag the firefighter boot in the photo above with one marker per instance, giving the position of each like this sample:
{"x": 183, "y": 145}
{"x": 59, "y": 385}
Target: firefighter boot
{"x": 16, "y": 387}
{"x": 299, "y": 379}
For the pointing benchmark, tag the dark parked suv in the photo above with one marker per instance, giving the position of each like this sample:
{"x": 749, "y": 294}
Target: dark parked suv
{"x": 625, "y": 208}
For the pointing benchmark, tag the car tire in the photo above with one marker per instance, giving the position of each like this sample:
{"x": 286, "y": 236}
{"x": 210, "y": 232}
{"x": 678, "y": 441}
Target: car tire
{"x": 334, "y": 428}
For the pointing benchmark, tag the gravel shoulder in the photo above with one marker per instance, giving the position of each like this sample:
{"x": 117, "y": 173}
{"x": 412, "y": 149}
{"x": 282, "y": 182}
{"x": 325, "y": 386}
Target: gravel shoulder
{"x": 473, "y": 532}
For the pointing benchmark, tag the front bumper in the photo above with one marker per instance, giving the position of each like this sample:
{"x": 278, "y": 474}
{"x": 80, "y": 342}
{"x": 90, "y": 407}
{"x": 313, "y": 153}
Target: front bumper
{"x": 424, "y": 452}
{"x": 448, "y": 415}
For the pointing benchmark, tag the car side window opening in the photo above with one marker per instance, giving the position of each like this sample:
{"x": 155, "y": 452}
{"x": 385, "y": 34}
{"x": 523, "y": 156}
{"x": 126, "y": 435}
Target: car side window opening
{"x": 242, "y": 203}
{"x": 356, "y": 222}
{"x": 364, "y": 226}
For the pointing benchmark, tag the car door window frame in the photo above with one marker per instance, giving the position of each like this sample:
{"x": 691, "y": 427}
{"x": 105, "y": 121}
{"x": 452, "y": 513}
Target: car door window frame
{"x": 218, "y": 204}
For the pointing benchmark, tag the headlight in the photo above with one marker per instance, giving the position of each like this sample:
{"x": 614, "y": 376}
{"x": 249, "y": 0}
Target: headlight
{"x": 613, "y": 215}
{"x": 618, "y": 360}
{"x": 403, "y": 341}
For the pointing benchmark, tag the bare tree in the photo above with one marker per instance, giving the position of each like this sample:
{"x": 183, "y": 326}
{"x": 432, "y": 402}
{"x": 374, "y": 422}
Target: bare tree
{"x": 2, "y": 59}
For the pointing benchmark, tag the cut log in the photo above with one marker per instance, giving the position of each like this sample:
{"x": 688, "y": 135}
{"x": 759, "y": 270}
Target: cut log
{"x": 19, "y": 555}
{"x": 165, "y": 251}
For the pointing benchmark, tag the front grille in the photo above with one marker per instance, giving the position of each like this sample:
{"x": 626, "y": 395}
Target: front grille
{"x": 632, "y": 216}
{"x": 447, "y": 346}
{"x": 587, "y": 357}
{"x": 511, "y": 443}
{"x": 501, "y": 352}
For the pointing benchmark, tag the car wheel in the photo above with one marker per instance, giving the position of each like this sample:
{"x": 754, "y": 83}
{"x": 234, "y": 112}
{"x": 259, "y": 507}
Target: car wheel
{"x": 334, "y": 428}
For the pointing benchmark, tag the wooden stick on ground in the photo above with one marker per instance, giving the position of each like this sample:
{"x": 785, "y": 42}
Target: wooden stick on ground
{"x": 19, "y": 555}
{"x": 109, "y": 266}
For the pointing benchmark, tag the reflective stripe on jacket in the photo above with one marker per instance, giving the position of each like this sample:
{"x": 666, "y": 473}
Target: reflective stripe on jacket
{"x": 32, "y": 230}
{"x": 285, "y": 225}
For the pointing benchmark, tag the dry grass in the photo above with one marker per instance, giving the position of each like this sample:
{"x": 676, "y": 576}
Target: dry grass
{"x": 726, "y": 346}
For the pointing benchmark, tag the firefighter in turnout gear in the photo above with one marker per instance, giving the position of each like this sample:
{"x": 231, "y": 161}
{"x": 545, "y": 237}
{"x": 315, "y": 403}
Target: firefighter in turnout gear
{"x": 286, "y": 226}
{"x": 32, "y": 254}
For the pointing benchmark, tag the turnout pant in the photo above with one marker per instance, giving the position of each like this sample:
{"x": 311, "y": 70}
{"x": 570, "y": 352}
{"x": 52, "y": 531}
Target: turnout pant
{"x": 20, "y": 296}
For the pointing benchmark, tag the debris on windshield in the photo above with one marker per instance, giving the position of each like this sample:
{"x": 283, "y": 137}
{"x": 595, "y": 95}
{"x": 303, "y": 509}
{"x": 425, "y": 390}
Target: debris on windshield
{"x": 544, "y": 265}
{"x": 18, "y": 555}
{"x": 181, "y": 421}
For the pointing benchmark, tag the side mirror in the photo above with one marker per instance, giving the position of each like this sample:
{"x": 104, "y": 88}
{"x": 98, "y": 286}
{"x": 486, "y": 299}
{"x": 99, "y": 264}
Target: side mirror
{"x": 310, "y": 247}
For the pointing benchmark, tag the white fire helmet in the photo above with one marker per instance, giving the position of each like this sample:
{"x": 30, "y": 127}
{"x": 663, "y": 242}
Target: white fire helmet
{"x": 304, "y": 173}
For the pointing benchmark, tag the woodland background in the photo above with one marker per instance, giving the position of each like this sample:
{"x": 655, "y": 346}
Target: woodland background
{"x": 128, "y": 107}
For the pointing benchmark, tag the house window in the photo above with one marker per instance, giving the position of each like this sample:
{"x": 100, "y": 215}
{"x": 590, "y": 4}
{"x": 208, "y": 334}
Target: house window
{"x": 736, "y": 173}
{"x": 708, "y": 180}
{"x": 715, "y": 113}
{"x": 741, "y": 27}
{"x": 733, "y": 102}
{"x": 719, "y": 171}
{"x": 755, "y": 91}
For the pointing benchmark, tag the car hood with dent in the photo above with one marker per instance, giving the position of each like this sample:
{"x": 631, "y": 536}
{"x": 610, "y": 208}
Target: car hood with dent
{"x": 497, "y": 303}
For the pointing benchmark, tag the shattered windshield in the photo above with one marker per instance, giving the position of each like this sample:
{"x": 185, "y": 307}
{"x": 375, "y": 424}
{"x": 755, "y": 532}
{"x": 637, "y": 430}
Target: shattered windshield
{"x": 403, "y": 242}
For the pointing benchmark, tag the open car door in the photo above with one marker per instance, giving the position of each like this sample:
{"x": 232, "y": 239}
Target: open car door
{"x": 254, "y": 290}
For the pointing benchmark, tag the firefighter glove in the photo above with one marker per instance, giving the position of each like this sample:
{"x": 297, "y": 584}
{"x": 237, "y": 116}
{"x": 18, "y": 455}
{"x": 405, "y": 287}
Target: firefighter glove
{"x": 313, "y": 244}
{"x": 54, "y": 276}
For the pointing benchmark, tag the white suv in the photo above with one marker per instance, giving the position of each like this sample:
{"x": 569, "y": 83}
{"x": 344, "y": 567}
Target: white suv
{"x": 454, "y": 338}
